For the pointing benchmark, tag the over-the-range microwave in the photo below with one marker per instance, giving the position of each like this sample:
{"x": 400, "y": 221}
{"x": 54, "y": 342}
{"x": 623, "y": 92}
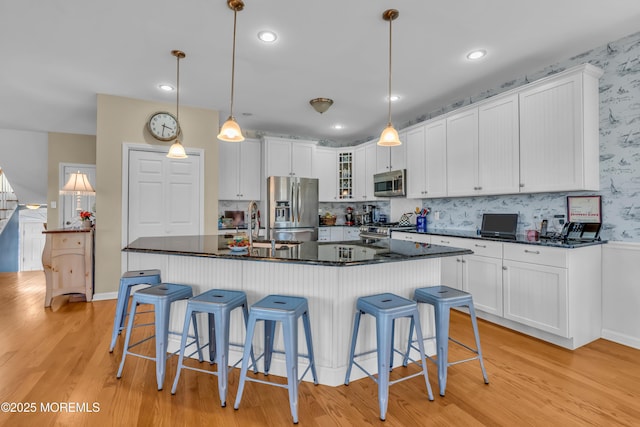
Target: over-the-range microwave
{"x": 390, "y": 184}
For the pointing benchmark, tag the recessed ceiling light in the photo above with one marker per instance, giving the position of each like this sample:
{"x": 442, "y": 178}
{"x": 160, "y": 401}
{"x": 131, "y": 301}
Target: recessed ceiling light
{"x": 338, "y": 126}
{"x": 476, "y": 54}
{"x": 394, "y": 98}
{"x": 267, "y": 36}
{"x": 166, "y": 87}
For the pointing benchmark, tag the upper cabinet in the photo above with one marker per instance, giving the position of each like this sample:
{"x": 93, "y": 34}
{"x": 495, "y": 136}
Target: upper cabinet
{"x": 462, "y": 153}
{"x": 326, "y": 167}
{"x": 239, "y": 170}
{"x": 364, "y": 167}
{"x": 392, "y": 158}
{"x": 289, "y": 157}
{"x": 427, "y": 160}
{"x": 345, "y": 174}
{"x": 559, "y": 149}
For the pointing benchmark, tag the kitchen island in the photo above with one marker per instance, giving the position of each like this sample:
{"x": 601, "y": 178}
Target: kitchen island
{"x": 330, "y": 275}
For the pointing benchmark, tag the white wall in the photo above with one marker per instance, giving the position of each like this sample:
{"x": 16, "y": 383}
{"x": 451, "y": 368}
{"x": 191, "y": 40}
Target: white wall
{"x": 23, "y": 157}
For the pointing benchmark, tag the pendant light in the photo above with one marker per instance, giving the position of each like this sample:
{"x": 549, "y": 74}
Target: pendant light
{"x": 230, "y": 130}
{"x": 389, "y": 136}
{"x": 177, "y": 150}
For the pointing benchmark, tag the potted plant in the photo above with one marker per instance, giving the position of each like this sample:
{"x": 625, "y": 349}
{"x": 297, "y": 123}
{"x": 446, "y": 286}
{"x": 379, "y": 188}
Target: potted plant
{"x": 85, "y": 217}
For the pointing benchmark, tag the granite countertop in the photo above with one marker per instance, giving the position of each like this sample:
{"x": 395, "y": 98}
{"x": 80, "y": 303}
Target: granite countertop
{"x": 347, "y": 253}
{"x": 520, "y": 238}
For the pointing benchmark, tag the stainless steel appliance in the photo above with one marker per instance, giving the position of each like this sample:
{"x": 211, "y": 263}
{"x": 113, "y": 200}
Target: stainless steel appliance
{"x": 390, "y": 184}
{"x": 377, "y": 231}
{"x": 292, "y": 208}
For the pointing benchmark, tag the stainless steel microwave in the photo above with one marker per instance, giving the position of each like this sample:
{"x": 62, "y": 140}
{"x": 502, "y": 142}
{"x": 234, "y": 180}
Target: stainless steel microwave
{"x": 390, "y": 184}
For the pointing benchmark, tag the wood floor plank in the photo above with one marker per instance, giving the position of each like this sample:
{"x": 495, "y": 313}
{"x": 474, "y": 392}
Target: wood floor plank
{"x": 59, "y": 357}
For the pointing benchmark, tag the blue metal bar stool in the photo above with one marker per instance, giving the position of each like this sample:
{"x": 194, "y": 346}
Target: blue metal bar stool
{"x": 285, "y": 309}
{"x": 161, "y": 297}
{"x": 386, "y": 308}
{"x": 218, "y": 304}
{"x": 443, "y": 298}
{"x": 127, "y": 281}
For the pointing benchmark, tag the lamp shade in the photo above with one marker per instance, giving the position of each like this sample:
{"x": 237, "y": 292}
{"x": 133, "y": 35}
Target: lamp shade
{"x": 78, "y": 183}
{"x": 389, "y": 137}
{"x": 176, "y": 151}
{"x": 230, "y": 131}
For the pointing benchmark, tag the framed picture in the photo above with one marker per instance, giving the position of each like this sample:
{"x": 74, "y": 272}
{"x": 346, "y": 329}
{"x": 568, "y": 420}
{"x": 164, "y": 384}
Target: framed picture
{"x": 584, "y": 209}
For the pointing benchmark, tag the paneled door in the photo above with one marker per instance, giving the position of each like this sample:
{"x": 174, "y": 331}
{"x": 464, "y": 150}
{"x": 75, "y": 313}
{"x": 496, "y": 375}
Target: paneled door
{"x": 165, "y": 197}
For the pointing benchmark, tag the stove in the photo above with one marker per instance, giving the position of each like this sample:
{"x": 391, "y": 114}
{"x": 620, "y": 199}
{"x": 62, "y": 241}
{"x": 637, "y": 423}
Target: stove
{"x": 381, "y": 230}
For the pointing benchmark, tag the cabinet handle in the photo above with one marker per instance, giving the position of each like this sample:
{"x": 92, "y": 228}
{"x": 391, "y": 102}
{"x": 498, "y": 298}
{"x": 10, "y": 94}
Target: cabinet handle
{"x": 458, "y": 260}
{"x": 504, "y": 268}
{"x": 444, "y": 241}
{"x": 480, "y": 246}
{"x": 521, "y": 185}
{"x": 527, "y": 251}
{"x": 463, "y": 261}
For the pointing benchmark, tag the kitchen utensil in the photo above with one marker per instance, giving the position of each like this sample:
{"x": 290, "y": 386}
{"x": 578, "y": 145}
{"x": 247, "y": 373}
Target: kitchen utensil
{"x": 404, "y": 219}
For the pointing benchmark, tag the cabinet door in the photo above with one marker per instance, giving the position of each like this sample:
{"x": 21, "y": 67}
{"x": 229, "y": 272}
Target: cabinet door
{"x": 228, "y": 155}
{"x": 248, "y": 166}
{"x": 325, "y": 167}
{"x": 370, "y": 153}
{"x": 302, "y": 159}
{"x": 462, "y": 153}
{"x": 451, "y": 271}
{"x": 435, "y": 164}
{"x": 351, "y": 233}
{"x": 551, "y": 151}
{"x": 324, "y": 234}
{"x": 483, "y": 279}
{"x": 359, "y": 174}
{"x": 416, "y": 167}
{"x": 498, "y": 152}
{"x": 398, "y": 154}
{"x": 278, "y": 157}
{"x": 337, "y": 234}
{"x": 383, "y": 159}
{"x": 536, "y": 295}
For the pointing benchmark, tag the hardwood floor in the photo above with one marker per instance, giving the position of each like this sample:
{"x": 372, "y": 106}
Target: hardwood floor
{"x": 51, "y": 357}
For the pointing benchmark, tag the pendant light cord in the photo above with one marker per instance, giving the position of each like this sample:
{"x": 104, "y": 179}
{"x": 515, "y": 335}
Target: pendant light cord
{"x": 389, "y": 99}
{"x": 233, "y": 61}
{"x": 178, "y": 89}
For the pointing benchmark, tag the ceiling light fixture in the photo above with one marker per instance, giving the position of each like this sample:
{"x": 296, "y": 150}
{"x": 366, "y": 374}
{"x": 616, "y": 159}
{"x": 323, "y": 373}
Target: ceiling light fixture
{"x": 476, "y": 54}
{"x": 267, "y": 36}
{"x": 321, "y": 104}
{"x": 177, "y": 150}
{"x": 166, "y": 87}
{"x": 230, "y": 130}
{"x": 389, "y": 136}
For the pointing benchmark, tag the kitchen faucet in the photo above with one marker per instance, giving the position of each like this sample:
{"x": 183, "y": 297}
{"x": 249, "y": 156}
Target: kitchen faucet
{"x": 253, "y": 221}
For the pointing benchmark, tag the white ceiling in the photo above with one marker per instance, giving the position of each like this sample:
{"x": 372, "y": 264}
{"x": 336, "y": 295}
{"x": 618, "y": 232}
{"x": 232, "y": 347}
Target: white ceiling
{"x": 58, "y": 54}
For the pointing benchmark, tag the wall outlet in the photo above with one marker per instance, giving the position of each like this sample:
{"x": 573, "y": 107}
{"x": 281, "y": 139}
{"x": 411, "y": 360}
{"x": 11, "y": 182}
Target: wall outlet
{"x": 436, "y": 215}
{"x": 53, "y": 204}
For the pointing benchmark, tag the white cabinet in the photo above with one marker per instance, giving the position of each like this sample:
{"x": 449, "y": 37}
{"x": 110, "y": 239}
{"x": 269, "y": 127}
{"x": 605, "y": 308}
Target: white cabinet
{"x": 479, "y": 274}
{"x": 326, "y": 168}
{"x": 462, "y": 153}
{"x": 345, "y": 174}
{"x": 351, "y": 233}
{"x": 239, "y": 170}
{"x": 331, "y": 234}
{"x": 427, "y": 160}
{"x": 498, "y": 149}
{"x": 287, "y": 157}
{"x": 411, "y": 237}
{"x": 559, "y": 136}
{"x": 324, "y": 234}
{"x": 392, "y": 158}
{"x": 364, "y": 167}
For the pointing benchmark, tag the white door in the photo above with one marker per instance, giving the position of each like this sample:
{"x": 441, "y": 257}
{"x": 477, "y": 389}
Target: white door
{"x": 164, "y": 195}
{"x": 69, "y": 215}
{"x": 31, "y": 245}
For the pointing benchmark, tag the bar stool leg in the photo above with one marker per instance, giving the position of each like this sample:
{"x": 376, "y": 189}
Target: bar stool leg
{"x": 162, "y": 336}
{"x": 125, "y": 350}
{"x": 442, "y": 342}
{"x": 222, "y": 356}
{"x": 307, "y": 334}
{"x": 251, "y": 326}
{"x": 405, "y": 360}
{"x": 354, "y": 339}
{"x": 183, "y": 343}
{"x": 245, "y": 313}
{"x": 474, "y": 323}
{"x": 290, "y": 332}
{"x": 269, "y": 332}
{"x": 384, "y": 343}
{"x": 121, "y": 308}
{"x": 212, "y": 338}
{"x": 415, "y": 320}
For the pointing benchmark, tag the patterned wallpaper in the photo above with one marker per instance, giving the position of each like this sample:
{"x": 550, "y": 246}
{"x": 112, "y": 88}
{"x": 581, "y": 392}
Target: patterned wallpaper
{"x": 619, "y": 152}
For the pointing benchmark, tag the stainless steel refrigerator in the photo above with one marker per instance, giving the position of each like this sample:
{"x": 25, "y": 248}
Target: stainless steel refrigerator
{"x": 292, "y": 208}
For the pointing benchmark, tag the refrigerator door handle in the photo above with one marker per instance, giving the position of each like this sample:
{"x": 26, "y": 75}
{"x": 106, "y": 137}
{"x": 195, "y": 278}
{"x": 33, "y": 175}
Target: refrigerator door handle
{"x": 298, "y": 203}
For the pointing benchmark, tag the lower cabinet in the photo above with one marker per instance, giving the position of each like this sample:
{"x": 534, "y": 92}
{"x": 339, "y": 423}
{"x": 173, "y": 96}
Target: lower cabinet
{"x": 338, "y": 234}
{"x": 551, "y": 293}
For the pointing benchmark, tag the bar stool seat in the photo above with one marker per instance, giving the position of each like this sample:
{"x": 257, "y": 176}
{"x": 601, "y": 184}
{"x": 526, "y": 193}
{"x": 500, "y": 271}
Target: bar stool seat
{"x": 218, "y": 304}
{"x": 287, "y": 310}
{"x": 386, "y": 308}
{"x": 161, "y": 297}
{"x": 128, "y": 281}
{"x": 443, "y": 298}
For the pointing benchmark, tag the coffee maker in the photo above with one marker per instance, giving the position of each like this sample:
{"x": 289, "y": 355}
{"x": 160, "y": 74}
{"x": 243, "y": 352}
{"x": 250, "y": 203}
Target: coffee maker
{"x": 349, "y": 217}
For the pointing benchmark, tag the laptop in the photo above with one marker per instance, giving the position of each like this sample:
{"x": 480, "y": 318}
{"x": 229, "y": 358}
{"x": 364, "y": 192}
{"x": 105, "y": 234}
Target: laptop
{"x": 501, "y": 226}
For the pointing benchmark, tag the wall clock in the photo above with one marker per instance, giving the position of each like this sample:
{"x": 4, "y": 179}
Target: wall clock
{"x": 163, "y": 126}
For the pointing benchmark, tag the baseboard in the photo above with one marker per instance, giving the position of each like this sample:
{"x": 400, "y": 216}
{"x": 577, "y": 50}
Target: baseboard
{"x": 621, "y": 338}
{"x": 103, "y": 296}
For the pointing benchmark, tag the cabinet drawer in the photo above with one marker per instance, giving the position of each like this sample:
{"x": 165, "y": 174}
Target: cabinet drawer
{"x": 555, "y": 257}
{"x": 479, "y": 247}
{"x": 411, "y": 237}
{"x": 68, "y": 241}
